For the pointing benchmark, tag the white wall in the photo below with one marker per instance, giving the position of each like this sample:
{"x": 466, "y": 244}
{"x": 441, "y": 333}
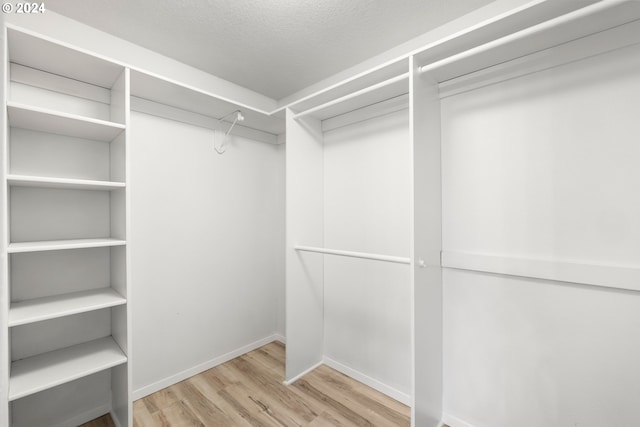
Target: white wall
{"x": 544, "y": 166}
{"x": 367, "y": 304}
{"x": 207, "y": 247}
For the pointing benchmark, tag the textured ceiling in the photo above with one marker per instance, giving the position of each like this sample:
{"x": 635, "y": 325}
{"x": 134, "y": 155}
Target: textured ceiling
{"x": 275, "y": 47}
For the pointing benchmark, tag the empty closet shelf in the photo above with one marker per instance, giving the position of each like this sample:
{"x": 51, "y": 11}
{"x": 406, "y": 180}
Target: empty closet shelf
{"x": 373, "y": 94}
{"x": 364, "y": 255}
{"x": 38, "y": 373}
{"x": 36, "y": 310}
{"x": 66, "y": 183}
{"x": 51, "y": 121}
{"x": 53, "y": 245}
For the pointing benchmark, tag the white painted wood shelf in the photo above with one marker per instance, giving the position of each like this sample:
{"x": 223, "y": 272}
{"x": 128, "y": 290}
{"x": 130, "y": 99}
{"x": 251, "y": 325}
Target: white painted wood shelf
{"x": 46, "y": 120}
{"x": 47, "y": 370}
{"x": 58, "y": 59}
{"x": 376, "y": 93}
{"x": 66, "y": 183}
{"x": 53, "y": 245}
{"x": 39, "y": 309}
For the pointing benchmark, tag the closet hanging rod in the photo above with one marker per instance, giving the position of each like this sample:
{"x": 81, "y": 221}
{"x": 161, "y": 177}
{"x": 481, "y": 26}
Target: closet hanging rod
{"x": 580, "y": 13}
{"x": 352, "y": 95}
{"x": 377, "y": 257}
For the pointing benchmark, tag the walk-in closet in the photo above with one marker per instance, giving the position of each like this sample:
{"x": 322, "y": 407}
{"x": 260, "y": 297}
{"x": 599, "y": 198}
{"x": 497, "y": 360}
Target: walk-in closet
{"x": 443, "y": 233}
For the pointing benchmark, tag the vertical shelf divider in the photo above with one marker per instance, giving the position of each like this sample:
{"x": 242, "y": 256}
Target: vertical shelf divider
{"x": 304, "y": 272}
{"x": 426, "y": 275}
{"x": 121, "y": 376}
{"x": 5, "y": 363}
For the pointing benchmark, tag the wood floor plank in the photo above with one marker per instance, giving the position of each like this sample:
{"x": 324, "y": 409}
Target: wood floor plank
{"x": 248, "y": 391}
{"x": 178, "y": 415}
{"x": 325, "y": 419}
{"x": 334, "y": 405}
{"x": 103, "y": 421}
{"x": 251, "y": 410}
{"x": 202, "y": 407}
{"x": 273, "y": 393}
{"x": 141, "y": 415}
{"x": 367, "y": 399}
{"x": 203, "y": 384}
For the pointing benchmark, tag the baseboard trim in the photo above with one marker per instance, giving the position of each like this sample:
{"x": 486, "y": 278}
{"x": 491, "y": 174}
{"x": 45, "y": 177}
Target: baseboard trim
{"x": 87, "y": 416}
{"x": 367, "y": 380}
{"x": 187, "y": 373}
{"x": 280, "y": 338}
{"x": 302, "y": 374}
{"x": 452, "y": 421}
{"x": 115, "y": 419}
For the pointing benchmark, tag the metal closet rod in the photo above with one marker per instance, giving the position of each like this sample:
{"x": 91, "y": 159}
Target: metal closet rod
{"x": 576, "y": 14}
{"x": 364, "y": 255}
{"x": 352, "y": 95}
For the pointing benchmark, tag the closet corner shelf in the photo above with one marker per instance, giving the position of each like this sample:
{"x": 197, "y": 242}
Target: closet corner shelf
{"x": 53, "y": 245}
{"x": 66, "y": 183}
{"x": 36, "y": 310}
{"x": 47, "y": 370}
{"x": 51, "y": 121}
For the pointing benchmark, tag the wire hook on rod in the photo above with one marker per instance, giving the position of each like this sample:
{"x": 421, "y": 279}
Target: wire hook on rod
{"x": 238, "y": 118}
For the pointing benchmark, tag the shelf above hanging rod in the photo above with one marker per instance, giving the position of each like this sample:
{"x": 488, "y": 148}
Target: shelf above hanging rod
{"x": 353, "y": 95}
{"x": 517, "y": 36}
{"x": 364, "y": 255}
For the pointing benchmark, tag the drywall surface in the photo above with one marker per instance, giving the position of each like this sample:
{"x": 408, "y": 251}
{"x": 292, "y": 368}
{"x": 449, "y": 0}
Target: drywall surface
{"x": 367, "y": 199}
{"x": 544, "y": 166}
{"x": 206, "y": 245}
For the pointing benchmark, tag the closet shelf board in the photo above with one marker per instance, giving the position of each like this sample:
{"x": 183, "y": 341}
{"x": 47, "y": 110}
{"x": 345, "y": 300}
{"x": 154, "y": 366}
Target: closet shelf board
{"x": 375, "y": 94}
{"x": 41, "y": 372}
{"x": 51, "y": 121}
{"x": 67, "y": 183}
{"x": 52, "y": 57}
{"x": 36, "y": 310}
{"x": 53, "y": 245}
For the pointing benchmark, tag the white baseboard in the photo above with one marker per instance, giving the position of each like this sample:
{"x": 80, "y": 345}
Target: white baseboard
{"x": 280, "y": 338}
{"x": 87, "y": 416}
{"x": 187, "y": 373}
{"x": 371, "y": 382}
{"x": 452, "y": 421}
{"x": 302, "y": 374}
{"x": 115, "y": 419}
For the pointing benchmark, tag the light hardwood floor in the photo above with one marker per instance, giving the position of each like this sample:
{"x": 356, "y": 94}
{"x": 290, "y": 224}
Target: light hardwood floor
{"x": 248, "y": 392}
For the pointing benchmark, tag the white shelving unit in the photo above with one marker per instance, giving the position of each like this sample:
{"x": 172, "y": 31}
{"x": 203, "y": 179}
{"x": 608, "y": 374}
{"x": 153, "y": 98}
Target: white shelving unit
{"x": 65, "y": 280}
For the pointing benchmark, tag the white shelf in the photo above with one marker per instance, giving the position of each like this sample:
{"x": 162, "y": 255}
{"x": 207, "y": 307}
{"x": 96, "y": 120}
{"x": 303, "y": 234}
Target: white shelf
{"x": 54, "y": 245}
{"x": 51, "y": 121}
{"x": 42, "y": 54}
{"x": 374, "y": 94}
{"x": 39, "y": 309}
{"x": 38, "y": 373}
{"x": 563, "y": 28}
{"x": 70, "y": 183}
{"x": 160, "y": 90}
